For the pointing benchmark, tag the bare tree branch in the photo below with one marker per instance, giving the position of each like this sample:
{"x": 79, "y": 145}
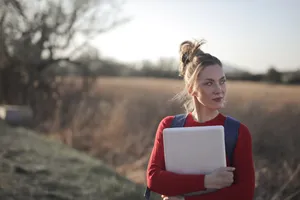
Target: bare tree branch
{"x": 36, "y": 35}
{"x": 4, "y": 55}
{"x": 55, "y": 27}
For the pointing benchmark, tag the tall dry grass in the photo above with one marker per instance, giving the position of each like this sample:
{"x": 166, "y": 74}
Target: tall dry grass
{"x": 117, "y": 120}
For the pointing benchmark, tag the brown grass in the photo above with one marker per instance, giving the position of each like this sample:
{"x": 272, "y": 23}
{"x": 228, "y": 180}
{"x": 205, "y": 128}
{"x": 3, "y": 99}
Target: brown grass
{"x": 117, "y": 120}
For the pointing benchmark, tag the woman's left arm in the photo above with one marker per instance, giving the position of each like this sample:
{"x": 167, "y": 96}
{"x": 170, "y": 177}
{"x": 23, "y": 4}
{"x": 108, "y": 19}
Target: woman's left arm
{"x": 244, "y": 176}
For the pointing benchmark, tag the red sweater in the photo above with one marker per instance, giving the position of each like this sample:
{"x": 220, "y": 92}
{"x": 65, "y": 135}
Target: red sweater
{"x": 171, "y": 184}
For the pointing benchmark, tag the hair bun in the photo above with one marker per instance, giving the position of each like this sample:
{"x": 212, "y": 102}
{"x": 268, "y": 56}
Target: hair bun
{"x": 187, "y": 51}
{"x": 184, "y": 52}
{"x": 185, "y": 59}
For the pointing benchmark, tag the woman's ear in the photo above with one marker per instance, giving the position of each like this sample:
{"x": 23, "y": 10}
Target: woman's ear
{"x": 191, "y": 90}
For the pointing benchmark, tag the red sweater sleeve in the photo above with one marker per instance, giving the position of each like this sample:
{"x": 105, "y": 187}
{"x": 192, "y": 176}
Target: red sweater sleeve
{"x": 168, "y": 183}
{"x": 244, "y": 181}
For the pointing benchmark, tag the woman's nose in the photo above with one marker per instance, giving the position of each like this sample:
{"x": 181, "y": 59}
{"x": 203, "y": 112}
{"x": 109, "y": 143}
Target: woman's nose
{"x": 217, "y": 89}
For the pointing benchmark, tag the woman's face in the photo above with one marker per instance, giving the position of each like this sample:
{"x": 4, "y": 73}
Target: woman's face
{"x": 210, "y": 87}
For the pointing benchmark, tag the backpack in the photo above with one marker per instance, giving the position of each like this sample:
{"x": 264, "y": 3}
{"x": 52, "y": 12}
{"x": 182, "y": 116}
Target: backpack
{"x": 231, "y": 127}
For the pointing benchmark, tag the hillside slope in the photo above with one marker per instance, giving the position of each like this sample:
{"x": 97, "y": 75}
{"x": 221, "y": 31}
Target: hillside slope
{"x": 33, "y": 167}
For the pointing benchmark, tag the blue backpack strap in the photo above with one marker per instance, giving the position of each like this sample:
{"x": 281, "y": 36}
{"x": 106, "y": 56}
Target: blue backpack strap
{"x": 147, "y": 193}
{"x": 231, "y": 127}
{"x": 178, "y": 121}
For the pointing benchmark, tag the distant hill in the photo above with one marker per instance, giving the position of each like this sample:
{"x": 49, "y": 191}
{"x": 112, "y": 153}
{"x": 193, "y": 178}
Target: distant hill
{"x": 35, "y": 168}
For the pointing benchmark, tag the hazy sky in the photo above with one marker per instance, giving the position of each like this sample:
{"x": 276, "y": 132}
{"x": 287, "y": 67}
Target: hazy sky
{"x": 253, "y": 34}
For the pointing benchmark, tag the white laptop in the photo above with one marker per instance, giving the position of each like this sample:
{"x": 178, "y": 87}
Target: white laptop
{"x": 194, "y": 150}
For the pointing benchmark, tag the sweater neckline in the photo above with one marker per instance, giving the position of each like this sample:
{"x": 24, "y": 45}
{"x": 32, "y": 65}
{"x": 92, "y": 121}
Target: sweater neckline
{"x": 216, "y": 120}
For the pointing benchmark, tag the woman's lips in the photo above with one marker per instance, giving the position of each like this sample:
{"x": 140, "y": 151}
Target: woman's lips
{"x": 219, "y": 99}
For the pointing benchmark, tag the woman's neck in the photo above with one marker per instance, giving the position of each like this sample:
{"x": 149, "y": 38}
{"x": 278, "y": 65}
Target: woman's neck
{"x": 203, "y": 114}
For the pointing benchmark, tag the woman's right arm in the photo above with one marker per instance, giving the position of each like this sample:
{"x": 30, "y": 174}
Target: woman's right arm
{"x": 168, "y": 183}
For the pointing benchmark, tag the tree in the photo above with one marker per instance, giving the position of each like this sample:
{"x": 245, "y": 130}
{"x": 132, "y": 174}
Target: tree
{"x": 37, "y": 35}
{"x": 273, "y": 75}
{"x": 168, "y": 64}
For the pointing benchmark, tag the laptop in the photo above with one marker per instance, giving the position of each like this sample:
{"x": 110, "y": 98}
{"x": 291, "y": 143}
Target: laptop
{"x": 194, "y": 150}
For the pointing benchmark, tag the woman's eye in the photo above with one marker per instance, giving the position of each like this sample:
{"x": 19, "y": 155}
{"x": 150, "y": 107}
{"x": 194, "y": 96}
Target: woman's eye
{"x": 208, "y": 83}
{"x": 223, "y": 81}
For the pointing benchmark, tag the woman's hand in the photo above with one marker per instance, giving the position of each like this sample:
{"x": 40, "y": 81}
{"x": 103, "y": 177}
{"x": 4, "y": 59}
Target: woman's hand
{"x": 220, "y": 178}
{"x": 171, "y": 198}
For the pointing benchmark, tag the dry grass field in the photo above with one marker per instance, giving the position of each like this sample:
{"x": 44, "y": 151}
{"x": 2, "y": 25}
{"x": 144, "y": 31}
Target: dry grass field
{"x": 116, "y": 122}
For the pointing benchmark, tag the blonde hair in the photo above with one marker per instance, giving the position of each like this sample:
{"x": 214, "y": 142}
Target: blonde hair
{"x": 192, "y": 61}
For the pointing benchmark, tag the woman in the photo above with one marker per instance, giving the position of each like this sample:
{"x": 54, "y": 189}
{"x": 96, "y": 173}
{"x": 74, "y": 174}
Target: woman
{"x": 204, "y": 95}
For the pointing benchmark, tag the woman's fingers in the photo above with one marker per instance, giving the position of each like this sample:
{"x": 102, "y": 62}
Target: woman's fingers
{"x": 164, "y": 197}
{"x": 170, "y": 198}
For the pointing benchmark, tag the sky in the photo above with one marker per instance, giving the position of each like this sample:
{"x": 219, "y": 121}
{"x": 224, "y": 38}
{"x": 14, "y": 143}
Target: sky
{"x": 251, "y": 34}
